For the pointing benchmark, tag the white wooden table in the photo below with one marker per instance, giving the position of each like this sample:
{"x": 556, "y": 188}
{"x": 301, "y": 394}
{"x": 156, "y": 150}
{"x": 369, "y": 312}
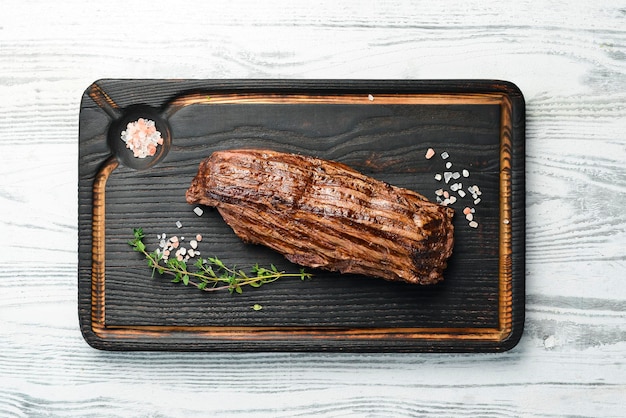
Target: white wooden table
{"x": 569, "y": 59}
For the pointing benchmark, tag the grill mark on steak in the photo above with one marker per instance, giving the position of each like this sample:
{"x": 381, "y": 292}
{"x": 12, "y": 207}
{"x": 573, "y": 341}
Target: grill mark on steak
{"x": 320, "y": 213}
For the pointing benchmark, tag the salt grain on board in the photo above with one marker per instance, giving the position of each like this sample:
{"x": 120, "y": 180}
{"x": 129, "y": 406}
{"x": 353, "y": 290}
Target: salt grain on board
{"x": 444, "y": 197}
{"x": 175, "y": 247}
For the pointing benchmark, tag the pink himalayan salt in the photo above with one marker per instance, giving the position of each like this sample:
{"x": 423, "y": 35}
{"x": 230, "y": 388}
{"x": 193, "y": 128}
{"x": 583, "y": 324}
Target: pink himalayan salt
{"x": 142, "y": 138}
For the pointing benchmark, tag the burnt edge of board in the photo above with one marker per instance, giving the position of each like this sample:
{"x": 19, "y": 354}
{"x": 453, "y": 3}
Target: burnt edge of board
{"x": 511, "y": 301}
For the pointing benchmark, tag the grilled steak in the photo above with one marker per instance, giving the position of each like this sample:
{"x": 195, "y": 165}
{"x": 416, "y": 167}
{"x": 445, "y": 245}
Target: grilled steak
{"x": 324, "y": 214}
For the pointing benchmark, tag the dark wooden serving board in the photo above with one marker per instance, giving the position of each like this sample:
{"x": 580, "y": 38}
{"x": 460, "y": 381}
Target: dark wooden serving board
{"x": 381, "y": 128}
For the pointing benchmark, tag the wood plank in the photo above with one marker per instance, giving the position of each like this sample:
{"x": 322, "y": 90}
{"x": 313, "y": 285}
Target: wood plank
{"x": 333, "y": 120}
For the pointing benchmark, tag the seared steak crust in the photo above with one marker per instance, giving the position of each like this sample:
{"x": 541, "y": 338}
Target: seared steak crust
{"x": 324, "y": 214}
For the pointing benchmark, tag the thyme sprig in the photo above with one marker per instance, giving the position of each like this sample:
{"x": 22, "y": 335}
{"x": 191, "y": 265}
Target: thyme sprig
{"x": 210, "y": 274}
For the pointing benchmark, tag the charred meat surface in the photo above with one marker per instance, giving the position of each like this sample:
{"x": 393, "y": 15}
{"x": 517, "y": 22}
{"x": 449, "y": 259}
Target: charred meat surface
{"x": 324, "y": 214}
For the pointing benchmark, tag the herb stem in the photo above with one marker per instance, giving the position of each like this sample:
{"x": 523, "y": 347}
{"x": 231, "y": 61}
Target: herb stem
{"x": 211, "y": 272}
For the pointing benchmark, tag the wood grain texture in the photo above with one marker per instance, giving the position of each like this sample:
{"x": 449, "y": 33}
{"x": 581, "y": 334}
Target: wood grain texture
{"x": 478, "y": 307}
{"x": 569, "y": 59}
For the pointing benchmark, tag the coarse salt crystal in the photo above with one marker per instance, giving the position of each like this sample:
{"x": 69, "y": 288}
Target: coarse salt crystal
{"x": 142, "y": 138}
{"x": 445, "y": 155}
{"x": 465, "y": 173}
{"x": 439, "y": 192}
{"x": 179, "y": 224}
{"x": 198, "y": 211}
{"x": 438, "y": 177}
{"x": 452, "y": 199}
{"x": 447, "y": 176}
{"x": 477, "y": 201}
{"x": 370, "y": 97}
{"x": 456, "y": 175}
{"x": 429, "y": 153}
{"x": 448, "y": 164}
{"x": 550, "y": 342}
{"x": 469, "y": 217}
{"x": 461, "y": 193}
{"x": 198, "y": 237}
{"x": 467, "y": 210}
{"x": 473, "y": 224}
{"x": 193, "y": 244}
{"x": 505, "y": 221}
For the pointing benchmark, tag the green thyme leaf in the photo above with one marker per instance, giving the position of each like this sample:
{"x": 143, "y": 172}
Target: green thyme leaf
{"x": 210, "y": 274}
